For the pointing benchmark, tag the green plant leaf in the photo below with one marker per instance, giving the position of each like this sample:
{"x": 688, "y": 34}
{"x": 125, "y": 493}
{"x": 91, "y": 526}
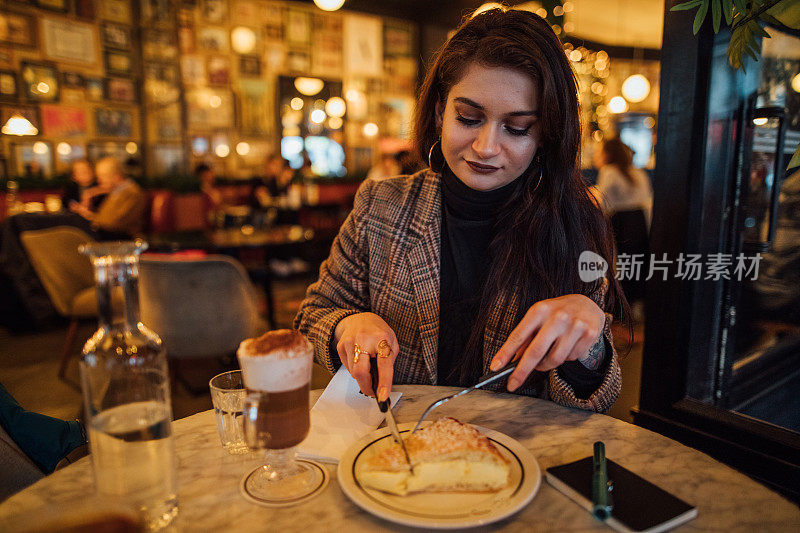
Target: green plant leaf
{"x": 740, "y": 38}
{"x": 686, "y": 5}
{"x": 716, "y": 14}
{"x": 795, "y": 161}
{"x": 727, "y": 9}
{"x": 787, "y": 12}
{"x": 756, "y": 28}
{"x": 700, "y": 16}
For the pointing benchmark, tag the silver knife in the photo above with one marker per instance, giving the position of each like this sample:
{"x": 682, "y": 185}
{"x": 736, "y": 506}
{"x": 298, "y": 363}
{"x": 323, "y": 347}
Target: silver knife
{"x": 387, "y": 411}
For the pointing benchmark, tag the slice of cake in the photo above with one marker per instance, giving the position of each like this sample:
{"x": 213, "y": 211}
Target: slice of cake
{"x": 448, "y": 455}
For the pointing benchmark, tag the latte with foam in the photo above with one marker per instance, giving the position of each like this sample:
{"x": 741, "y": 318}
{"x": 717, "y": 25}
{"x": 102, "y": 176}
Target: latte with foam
{"x": 276, "y": 369}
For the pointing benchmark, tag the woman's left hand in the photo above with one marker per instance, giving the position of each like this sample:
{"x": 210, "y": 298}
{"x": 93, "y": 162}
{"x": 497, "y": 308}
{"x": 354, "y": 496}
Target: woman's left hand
{"x": 551, "y": 332}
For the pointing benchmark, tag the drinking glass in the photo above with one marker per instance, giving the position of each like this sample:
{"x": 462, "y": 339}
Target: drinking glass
{"x": 276, "y": 421}
{"x": 227, "y": 395}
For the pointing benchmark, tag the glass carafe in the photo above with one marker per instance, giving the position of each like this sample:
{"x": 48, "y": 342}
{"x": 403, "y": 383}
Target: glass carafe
{"x": 126, "y": 393}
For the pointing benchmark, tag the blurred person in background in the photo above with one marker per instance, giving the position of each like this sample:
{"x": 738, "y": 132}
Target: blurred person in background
{"x": 211, "y": 194}
{"x": 82, "y": 187}
{"x": 274, "y": 183}
{"x": 123, "y": 213}
{"x": 626, "y": 196}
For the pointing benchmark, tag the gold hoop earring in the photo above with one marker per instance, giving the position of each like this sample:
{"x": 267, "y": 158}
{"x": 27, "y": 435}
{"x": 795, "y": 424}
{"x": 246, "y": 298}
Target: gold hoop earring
{"x": 437, "y": 164}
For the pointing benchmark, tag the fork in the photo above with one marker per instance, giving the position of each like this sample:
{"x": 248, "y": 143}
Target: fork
{"x": 486, "y": 379}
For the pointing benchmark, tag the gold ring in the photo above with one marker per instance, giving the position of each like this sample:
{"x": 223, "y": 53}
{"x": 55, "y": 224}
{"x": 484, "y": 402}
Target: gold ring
{"x": 357, "y": 351}
{"x": 384, "y": 350}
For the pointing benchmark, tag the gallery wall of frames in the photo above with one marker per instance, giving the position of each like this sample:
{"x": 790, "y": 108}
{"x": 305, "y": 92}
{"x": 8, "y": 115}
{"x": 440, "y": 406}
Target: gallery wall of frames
{"x": 165, "y": 84}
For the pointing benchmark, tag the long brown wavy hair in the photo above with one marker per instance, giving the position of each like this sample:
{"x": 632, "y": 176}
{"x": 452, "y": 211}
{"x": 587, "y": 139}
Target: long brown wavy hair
{"x": 620, "y": 155}
{"x": 544, "y": 227}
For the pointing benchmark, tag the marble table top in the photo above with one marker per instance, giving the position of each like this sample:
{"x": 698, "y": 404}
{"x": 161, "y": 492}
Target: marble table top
{"x": 208, "y": 478}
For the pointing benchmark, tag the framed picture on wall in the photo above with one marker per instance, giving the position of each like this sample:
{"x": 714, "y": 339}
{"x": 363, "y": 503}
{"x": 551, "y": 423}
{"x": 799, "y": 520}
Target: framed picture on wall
{"x": 6, "y": 58}
{"x": 219, "y": 70}
{"x": 39, "y": 81}
{"x": 17, "y": 29}
{"x": 116, "y": 11}
{"x": 118, "y": 63}
{"x": 9, "y": 87}
{"x": 193, "y": 70}
{"x": 159, "y": 44}
{"x": 113, "y": 122}
{"x": 116, "y": 36}
{"x": 215, "y": 11}
{"x": 120, "y": 90}
{"x": 298, "y": 27}
{"x": 209, "y": 109}
{"x": 167, "y": 159}
{"x": 72, "y": 80}
{"x": 156, "y": 12}
{"x": 69, "y": 41}
{"x": 161, "y": 83}
{"x": 186, "y": 39}
{"x": 213, "y": 40}
{"x": 298, "y": 61}
{"x": 250, "y": 66}
{"x": 94, "y": 89}
{"x": 53, "y": 5}
{"x": 30, "y": 163}
{"x": 85, "y": 9}
{"x": 164, "y": 123}
{"x": 63, "y": 121}
{"x": 97, "y": 151}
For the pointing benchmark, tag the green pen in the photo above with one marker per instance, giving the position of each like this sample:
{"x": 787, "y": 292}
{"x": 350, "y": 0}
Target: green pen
{"x": 601, "y": 486}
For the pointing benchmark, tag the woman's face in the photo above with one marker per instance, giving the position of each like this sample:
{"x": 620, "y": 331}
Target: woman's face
{"x": 490, "y": 126}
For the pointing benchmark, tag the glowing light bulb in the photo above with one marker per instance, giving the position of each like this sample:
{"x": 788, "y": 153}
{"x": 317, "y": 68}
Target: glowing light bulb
{"x": 40, "y": 148}
{"x": 222, "y": 150}
{"x": 308, "y": 86}
{"x": 318, "y": 116}
{"x": 19, "y": 125}
{"x": 131, "y": 148}
{"x": 635, "y": 88}
{"x": 296, "y": 103}
{"x": 215, "y": 101}
{"x": 63, "y": 149}
{"x": 329, "y": 5}
{"x": 335, "y": 123}
{"x": 243, "y": 148}
{"x": 617, "y": 105}
{"x": 370, "y": 129}
{"x": 336, "y": 107}
{"x": 43, "y": 88}
{"x": 796, "y": 83}
{"x": 243, "y": 40}
{"x": 760, "y": 121}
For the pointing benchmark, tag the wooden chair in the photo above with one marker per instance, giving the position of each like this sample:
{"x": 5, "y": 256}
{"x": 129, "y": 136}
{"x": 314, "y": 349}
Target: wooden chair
{"x": 67, "y": 277}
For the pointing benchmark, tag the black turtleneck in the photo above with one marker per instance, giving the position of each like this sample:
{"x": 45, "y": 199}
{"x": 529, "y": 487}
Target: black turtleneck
{"x": 468, "y": 218}
{"x": 468, "y": 226}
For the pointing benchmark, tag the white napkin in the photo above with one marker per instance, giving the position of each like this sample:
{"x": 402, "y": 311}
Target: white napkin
{"x": 341, "y": 416}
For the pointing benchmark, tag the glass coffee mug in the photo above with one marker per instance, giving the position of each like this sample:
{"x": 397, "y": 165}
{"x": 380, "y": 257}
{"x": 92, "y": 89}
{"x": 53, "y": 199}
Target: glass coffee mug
{"x": 276, "y": 369}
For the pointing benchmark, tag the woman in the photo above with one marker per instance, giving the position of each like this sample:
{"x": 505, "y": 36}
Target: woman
{"x": 627, "y": 197}
{"x": 474, "y": 262}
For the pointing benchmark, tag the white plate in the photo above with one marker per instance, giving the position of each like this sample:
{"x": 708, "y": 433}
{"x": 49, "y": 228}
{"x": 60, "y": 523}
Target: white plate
{"x": 442, "y": 510}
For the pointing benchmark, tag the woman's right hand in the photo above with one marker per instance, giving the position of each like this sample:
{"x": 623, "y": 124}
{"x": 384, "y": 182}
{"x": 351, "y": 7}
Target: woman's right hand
{"x": 374, "y": 337}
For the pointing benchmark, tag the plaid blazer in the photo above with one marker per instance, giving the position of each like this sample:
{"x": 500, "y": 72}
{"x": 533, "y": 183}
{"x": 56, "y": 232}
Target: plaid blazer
{"x": 386, "y": 260}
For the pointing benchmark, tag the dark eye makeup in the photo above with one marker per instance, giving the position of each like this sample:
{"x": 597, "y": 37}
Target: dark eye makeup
{"x": 474, "y": 122}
